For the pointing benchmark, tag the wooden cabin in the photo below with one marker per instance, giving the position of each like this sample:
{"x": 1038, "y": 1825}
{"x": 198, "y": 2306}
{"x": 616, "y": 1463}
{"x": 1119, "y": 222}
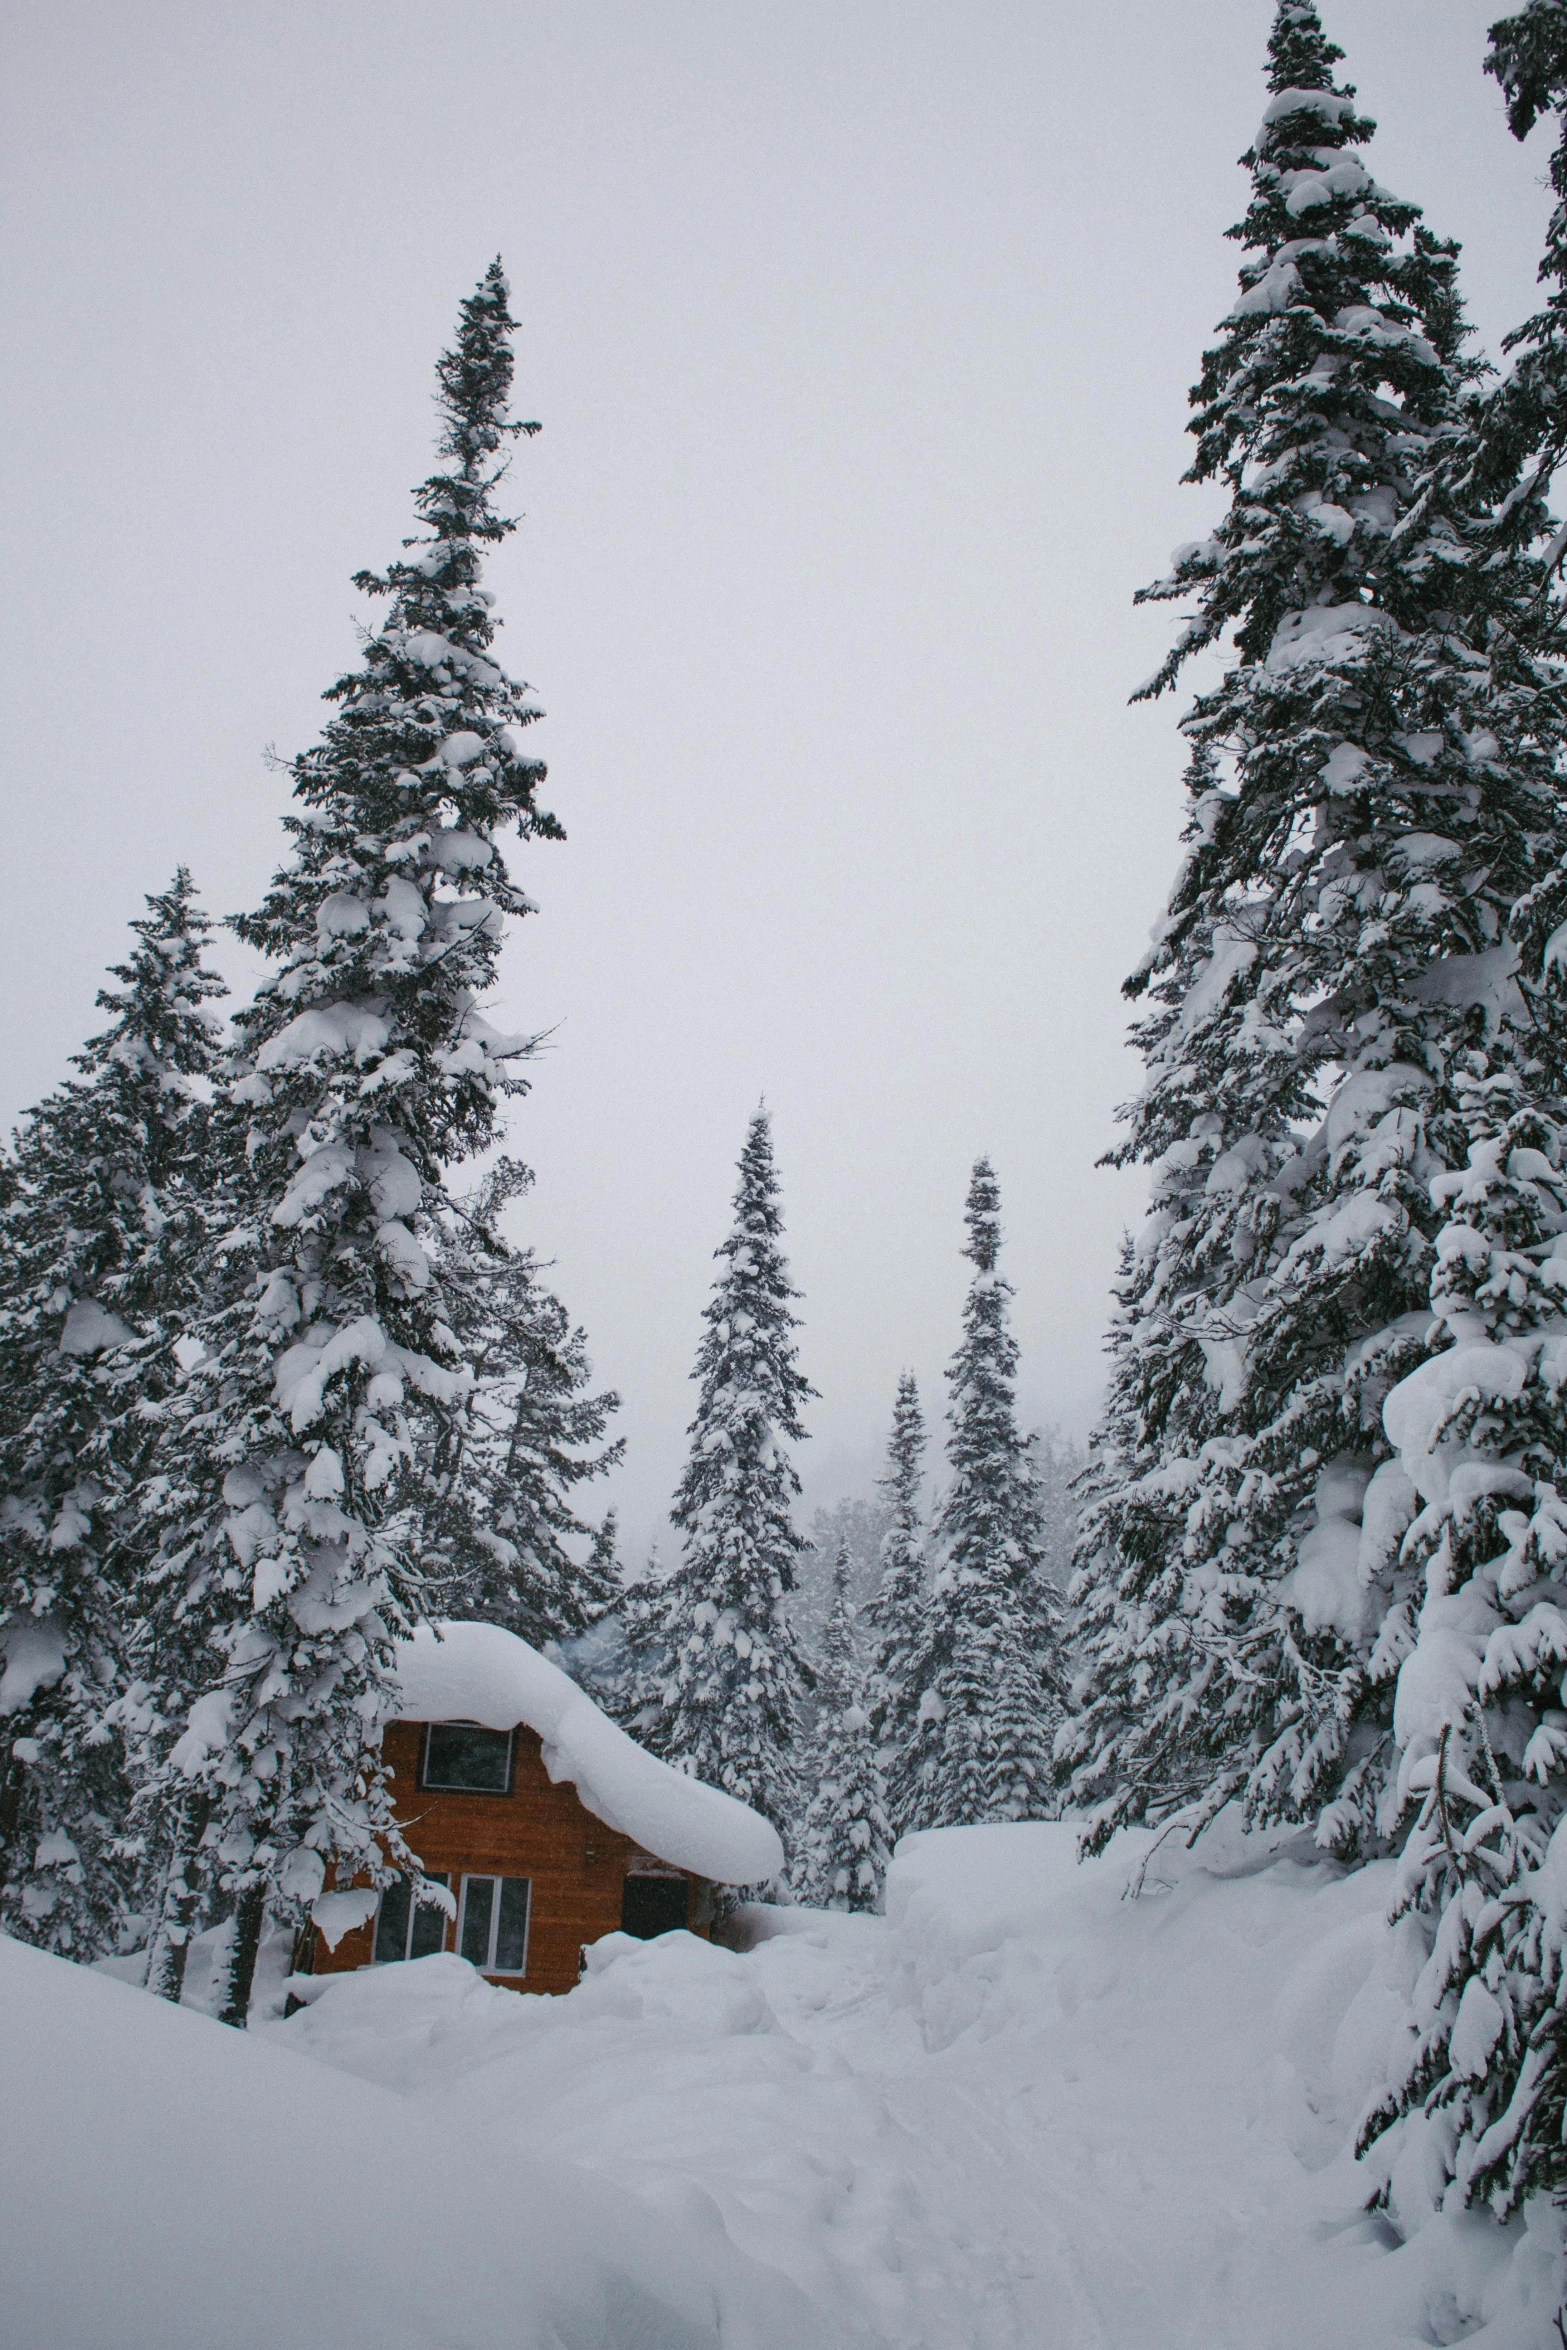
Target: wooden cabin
{"x": 548, "y": 1831}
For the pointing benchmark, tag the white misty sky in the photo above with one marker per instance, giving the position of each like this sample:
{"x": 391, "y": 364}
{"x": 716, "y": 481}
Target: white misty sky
{"x": 861, "y": 336}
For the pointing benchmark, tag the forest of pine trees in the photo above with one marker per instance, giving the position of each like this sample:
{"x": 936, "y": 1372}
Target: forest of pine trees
{"x": 276, "y": 1388}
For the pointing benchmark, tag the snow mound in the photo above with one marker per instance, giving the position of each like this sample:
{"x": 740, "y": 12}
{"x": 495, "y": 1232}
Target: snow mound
{"x": 169, "y": 2184}
{"x": 480, "y": 1673}
{"x": 1023, "y": 2109}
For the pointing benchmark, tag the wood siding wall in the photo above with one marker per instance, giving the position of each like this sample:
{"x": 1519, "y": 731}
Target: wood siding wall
{"x": 541, "y": 1831}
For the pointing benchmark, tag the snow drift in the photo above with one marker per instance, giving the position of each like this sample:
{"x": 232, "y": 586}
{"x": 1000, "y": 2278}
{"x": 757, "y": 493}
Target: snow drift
{"x": 1020, "y": 2110}
{"x": 169, "y": 2184}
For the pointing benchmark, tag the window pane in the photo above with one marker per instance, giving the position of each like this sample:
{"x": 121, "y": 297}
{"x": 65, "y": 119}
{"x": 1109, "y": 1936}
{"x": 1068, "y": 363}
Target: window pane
{"x": 391, "y": 1925}
{"x": 429, "y": 1926}
{"x": 511, "y": 1935}
{"x": 478, "y": 1905}
{"x": 460, "y": 1754}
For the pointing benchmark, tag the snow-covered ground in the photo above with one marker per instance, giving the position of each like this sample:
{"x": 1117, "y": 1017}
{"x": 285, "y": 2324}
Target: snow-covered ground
{"x": 1021, "y": 2110}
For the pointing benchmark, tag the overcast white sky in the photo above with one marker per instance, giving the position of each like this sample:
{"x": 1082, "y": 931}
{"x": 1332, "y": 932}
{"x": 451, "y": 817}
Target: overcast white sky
{"x": 861, "y": 332}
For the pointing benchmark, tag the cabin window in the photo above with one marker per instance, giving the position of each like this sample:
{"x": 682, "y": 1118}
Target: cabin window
{"x": 404, "y": 1928}
{"x": 492, "y": 1929}
{"x": 467, "y": 1758}
{"x": 653, "y": 1905}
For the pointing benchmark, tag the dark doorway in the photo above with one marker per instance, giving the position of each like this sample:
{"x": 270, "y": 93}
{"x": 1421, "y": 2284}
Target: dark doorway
{"x": 653, "y": 1905}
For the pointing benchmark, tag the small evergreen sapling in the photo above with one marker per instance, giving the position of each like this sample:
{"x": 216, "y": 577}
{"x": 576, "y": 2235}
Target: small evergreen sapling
{"x": 846, "y": 1841}
{"x": 729, "y": 1705}
{"x": 293, "y": 1477}
{"x": 105, "y": 1217}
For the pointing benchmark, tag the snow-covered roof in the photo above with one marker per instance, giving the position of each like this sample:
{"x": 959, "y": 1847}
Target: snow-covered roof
{"x": 480, "y": 1673}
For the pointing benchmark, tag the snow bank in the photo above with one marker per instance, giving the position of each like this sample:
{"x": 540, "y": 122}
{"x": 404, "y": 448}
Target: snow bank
{"x": 168, "y": 2184}
{"x": 1022, "y": 2109}
{"x": 479, "y": 1673}
{"x": 1205, "y": 2051}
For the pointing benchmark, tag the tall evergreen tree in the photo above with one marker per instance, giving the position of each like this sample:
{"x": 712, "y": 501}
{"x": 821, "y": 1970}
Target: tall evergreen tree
{"x": 846, "y": 1842}
{"x": 729, "y": 1706}
{"x": 1481, "y": 1431}
{"x": 1370, "y": 791}
{"x": 103, "y": 1230}
{"x": 990, "y": 1679}
{"x": 500, "y": 1522}
{"x": 897, "y": 1613}
{"x": 291, "y": 1505}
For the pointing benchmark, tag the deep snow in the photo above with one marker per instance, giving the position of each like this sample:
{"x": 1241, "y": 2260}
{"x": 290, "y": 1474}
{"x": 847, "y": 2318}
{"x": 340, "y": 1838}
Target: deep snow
{"x": 169, "y": 2184}
{"x": 1022, "y": 2112}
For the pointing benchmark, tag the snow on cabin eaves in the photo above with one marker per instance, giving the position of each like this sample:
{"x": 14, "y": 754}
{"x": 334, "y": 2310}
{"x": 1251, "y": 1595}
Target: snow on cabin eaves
{"x": 480, "y": 1673}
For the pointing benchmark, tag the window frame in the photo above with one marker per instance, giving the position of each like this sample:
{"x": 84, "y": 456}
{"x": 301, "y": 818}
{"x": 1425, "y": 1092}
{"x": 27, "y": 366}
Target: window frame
{"x": 497, "y": 1878}
{"x": 430, "y": 1786}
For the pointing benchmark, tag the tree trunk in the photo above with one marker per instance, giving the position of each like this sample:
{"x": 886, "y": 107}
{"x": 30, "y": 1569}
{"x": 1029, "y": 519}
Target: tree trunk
{"x": 13, "y": 1777}
{"x": 243, "y": 1952}
{"x": 177, "y": 1916}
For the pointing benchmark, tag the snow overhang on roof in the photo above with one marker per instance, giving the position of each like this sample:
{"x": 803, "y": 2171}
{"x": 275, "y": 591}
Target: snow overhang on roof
{"x": 480, "y": 1673}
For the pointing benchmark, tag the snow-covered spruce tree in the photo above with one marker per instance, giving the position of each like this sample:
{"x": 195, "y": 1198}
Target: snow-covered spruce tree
{"x": 897, "y": 1612}
{"x": 1370, "y": 791}
{"x": 729, "y": 1703}
{"x": 990, "y": 1682}
{"x": 1481, "y": 1430}
{"x": 500, "y": 1529}
{"x": 845, "y": 1842}
{"x": 291, "y": 1504}
{"x": 103, "y": 1227}
{"x": 1482, "y": 1434}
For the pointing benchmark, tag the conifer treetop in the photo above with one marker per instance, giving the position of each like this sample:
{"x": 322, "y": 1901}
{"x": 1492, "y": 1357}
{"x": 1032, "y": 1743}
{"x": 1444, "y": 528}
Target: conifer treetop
{"x": 746, "y": 1369}
{"x": 905, "y": 1455}
{"x": 1300, "y": 55}
{"x": 984, "y": 1369}
{"x": 982, "y": 1215}
{"x": 161, "y": 1024}
{"x": 392, "y": 908}
{"x": 1333, "y": 374}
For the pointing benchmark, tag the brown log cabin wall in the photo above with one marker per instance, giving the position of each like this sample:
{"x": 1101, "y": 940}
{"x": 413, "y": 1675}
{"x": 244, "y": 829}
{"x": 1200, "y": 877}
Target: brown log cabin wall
{"x": 541, "y": 1831}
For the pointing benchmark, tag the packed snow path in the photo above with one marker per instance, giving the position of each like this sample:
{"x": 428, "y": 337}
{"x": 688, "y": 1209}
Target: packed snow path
{"x": 1020, "y": 2111}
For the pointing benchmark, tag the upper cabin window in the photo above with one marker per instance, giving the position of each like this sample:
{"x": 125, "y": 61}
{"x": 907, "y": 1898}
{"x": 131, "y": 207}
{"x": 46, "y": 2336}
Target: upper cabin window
{"x": 467, "y": 1758}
